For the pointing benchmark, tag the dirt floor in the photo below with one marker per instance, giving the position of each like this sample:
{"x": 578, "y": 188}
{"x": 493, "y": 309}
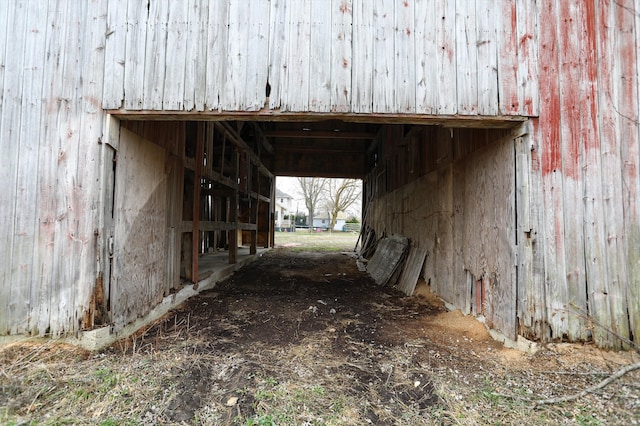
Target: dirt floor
{"x": 305, "y": 338}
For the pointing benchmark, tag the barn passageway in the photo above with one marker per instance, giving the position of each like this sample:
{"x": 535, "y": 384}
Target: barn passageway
{"x": 298, "y": 337}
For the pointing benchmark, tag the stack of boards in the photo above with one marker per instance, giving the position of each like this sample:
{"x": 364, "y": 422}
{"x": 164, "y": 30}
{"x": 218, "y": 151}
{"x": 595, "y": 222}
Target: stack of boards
{"x": 395, "y": 262}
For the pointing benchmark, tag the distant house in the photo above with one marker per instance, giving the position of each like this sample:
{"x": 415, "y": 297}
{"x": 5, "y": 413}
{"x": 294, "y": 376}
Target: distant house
{"x": 283, "y": 209}
{"x": 323, "y": 222}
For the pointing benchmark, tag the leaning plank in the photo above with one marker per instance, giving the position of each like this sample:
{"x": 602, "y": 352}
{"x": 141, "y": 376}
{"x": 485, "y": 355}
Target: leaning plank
{"x": 411, "y": 270}
{"x": 387, "y": 258}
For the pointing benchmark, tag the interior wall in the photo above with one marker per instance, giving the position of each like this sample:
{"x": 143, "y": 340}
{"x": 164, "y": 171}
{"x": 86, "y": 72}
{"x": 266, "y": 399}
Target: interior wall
{"x": 140, "y": 228}
{"x": 463, "y": 212}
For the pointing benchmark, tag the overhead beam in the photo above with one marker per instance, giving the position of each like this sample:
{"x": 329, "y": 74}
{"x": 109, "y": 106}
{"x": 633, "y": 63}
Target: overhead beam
{"x": 319, "y": 134}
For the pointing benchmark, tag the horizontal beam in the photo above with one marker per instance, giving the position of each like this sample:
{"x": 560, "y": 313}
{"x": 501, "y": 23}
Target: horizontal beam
{"x": 323, "y": 134}
{"x": 454, "y": 121}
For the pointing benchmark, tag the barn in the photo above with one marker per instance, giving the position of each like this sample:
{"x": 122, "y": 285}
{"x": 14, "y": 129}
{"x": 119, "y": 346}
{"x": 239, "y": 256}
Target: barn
{"x": 501, "y": 136}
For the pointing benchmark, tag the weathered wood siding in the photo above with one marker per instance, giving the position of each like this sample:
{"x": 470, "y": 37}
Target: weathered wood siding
{"x": 411, "y": 56}
{"x": 51, "y": 123}
{"x": 583, "y": 159}
{"x": 571, "y": 66}
{"x": 458, "y": 204}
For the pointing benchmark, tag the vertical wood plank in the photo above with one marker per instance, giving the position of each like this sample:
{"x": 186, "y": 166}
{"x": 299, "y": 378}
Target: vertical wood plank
{"x": 527, "y": 18}
{"x": 16, "y": 298}
{"x": 632, "y": 211}
{"x": 197, "y": 184}
{"x": 627, "y": 288}
{"x": 233, "y": 96}
{"x": 466, "y": 57}
{"x": 320, "y": 59}
{"x": 216, "y": 60}
{"x": 135, "y": 54}
{"x": 90, "y": 77}
{"x": 196, "y": 51}
{"x": 341, "y": 55}
{"x": 278, "y": 36}
{"x": 486, "y": 14}
{"x": 115, "y": 50}
{"x": 426, "y": 55}
{"x": 258, "y": 59}
{"x": 597, "y": 279}
{"x": 509, "y": 99}
{"x": 551, "y": 157}
{"x": 362, "y": 62}
{"x": 405, "y": 57}
{"x": 445, "y": 92}
{"x": 155, "y": 55}
{"x": 383, "y": 56}
{"x": 295, "y": 88}
{"x": 47, "y": 163}
{"x": 177, "y": 39}
{"x": 24, "y": 284}
{"x": 573, "y": 179}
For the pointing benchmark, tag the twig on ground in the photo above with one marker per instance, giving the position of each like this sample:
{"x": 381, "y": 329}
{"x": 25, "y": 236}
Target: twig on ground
{"x": 591, "y": 389}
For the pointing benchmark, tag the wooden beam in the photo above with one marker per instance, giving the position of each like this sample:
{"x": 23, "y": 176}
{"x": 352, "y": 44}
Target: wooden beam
{"x": 318, "y": 134}
{"x": 196, "y": 200}
{"x": 233, "y": 214}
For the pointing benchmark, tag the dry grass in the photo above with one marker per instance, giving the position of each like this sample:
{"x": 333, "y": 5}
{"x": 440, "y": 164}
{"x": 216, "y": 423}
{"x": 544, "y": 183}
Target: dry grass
{"x": 265, "y": 349}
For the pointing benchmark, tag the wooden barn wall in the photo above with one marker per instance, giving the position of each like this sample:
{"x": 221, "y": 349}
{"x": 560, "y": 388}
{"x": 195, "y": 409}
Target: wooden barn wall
{"x": 347, "y": 56}
{"x": 584, "y": 160}
{"x": 51, "y": 124}
{"x": 459, "y": 205}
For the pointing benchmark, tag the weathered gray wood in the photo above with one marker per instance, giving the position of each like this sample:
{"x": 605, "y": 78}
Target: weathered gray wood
{"x": 362, "y": 62}
{"x": 632, "y": 217}
{"x": 411, "y": 271}
{"x": 486, "y": 45}
{"x": 387, "y": 259}
{"x": 466, "y": 57}
{"x": 216, "y": 59}
{"x": 405, "y": 56}
{"x": 15, "y": 297}
{"x": 155, "y": 54}
{"x": 527, "y": 24}
{"x": 140, "y": 224}
{"x": 115, "y": 49}
{"x": 341, "y": 54}
{"x": 196, "y": 52}
{"x": 175, "y": 69}
{"x": 257, "y": 56}
{"x": 573, "y": 155}
{"x": 507, "y": 34}
{"x": 278, "y": 34}
{"x": 383, "y": 77}
{"x": 296, "y": 68}
{"x": 320, "y": 60}
{"x": 233, "y": 95}
{"x": 135, "y": 46}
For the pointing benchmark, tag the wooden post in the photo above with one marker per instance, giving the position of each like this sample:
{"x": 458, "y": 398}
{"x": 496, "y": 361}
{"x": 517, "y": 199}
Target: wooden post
{"x": 254, "y": 220}
{"x": 233, "y": 213}
{"x": 196, "y": 201}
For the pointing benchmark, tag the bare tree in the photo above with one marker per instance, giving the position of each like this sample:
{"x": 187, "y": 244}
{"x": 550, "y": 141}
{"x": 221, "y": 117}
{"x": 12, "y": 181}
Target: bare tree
{"x": 312, "y": 190}
{"x": 341, "y": 194}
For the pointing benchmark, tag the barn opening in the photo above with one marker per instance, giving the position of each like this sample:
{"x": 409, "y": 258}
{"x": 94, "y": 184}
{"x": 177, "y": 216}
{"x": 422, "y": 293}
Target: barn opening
{"x": 448, "y": 185}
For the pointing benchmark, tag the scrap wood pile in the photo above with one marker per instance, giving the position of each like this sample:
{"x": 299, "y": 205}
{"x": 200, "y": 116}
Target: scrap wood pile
{"x": 394, "y": 261}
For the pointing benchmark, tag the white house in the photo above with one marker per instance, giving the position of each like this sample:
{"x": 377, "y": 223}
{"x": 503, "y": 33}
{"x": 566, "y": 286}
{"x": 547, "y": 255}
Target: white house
{"x": 283, "y": 209}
